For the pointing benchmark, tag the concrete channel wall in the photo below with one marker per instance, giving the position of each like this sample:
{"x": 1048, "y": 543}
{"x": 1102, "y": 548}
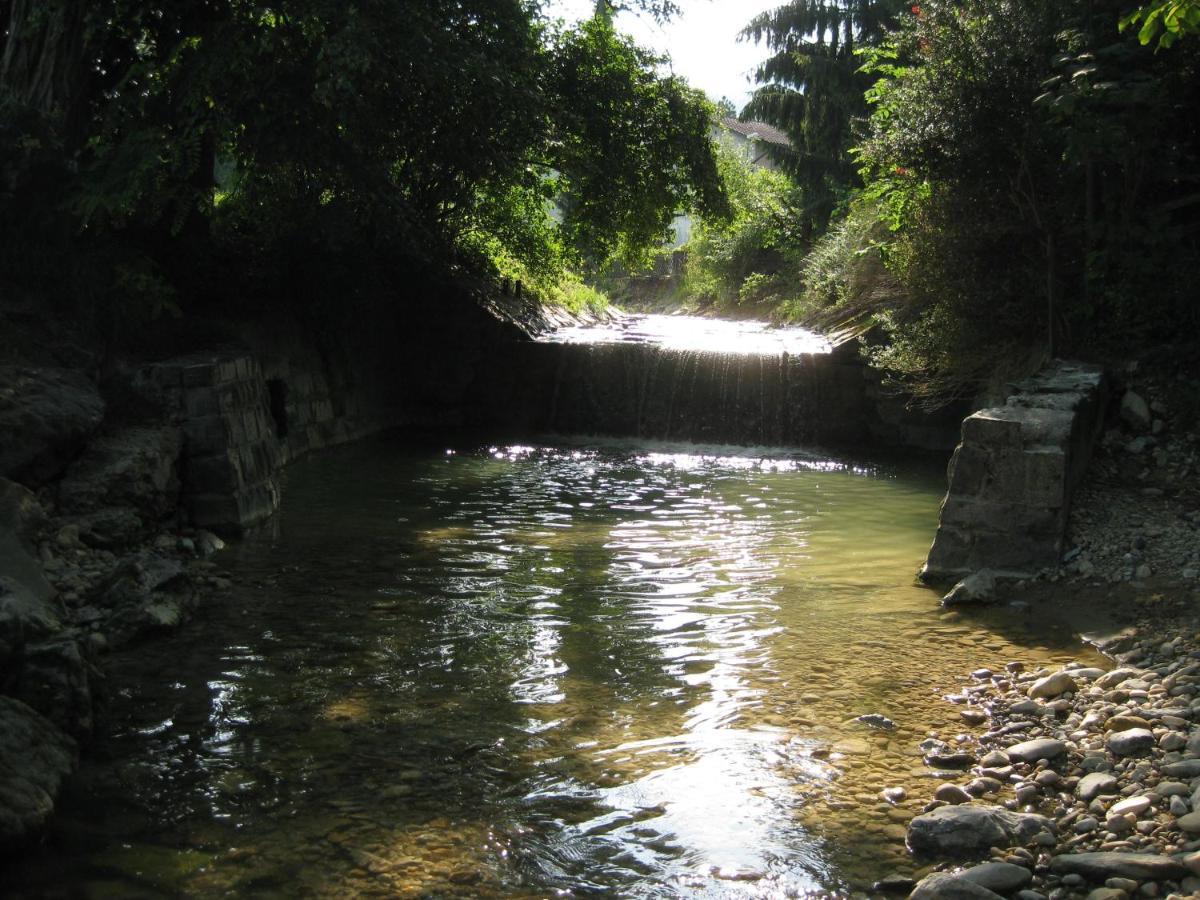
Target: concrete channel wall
{"x": 1013, "y": 473}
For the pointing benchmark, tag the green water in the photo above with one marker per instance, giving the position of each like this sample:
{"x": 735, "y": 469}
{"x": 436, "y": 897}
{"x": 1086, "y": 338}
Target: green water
{"x": 611, "y": 670}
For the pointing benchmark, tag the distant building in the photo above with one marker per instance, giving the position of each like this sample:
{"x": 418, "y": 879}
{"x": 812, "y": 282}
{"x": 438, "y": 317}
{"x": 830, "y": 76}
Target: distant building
{"x": 754, "y": 140}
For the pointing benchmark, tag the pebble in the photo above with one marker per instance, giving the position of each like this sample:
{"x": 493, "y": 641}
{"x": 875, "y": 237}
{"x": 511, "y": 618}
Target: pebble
{"x": 1052, "y": 685}
{"x": 1130, "y": 742}
{"x": 1189, "y": 823}
{"x": 1038, "y": 748}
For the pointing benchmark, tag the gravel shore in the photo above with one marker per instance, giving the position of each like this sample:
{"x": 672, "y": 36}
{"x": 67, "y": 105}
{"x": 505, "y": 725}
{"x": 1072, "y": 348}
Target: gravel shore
{"x": 1086, "y": 781}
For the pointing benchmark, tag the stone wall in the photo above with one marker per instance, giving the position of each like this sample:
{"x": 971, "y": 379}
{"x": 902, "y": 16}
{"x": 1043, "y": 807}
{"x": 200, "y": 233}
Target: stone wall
{"x": 1013, "y": 473}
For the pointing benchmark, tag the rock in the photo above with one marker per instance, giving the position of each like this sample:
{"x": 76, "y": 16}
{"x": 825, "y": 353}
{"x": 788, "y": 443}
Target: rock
{"x": 1038, "y": 748}
{"x": 894, "y": 884}
{"x": 973, "y": 716}
{"x": 146, "y": 593}
{"x": 894, "y": 794}
{"x": 1094, "y": 784}
{"x": 978, "y": 787}
{"x": 1133, "y": 805}
{"x": 112, "y": 529}
{"x": 1115, "y": 677}
{"x": 208, "y": 543}
{"x": 1001, "y": 877}
{"x": 1187, "y": 768}
{"x": 952, "y": 794}
{"x": 1102, "y": 865}
{"x": 1130, "y": 742}
{"x": 1052, "y": 685}
{"x": 35, "y": 758}
{"x": 133, "y": 467}
{"x": 1107, "y": 893}
{"x": 1172, "y": 740}
{"x": 871, "y": 720}
{"x": 1192, "y": 861}
{"x": 55, "y": 680}
{"x": 1178, "y": 806}
{"x": 46, "y": 415}
{"x": 1189, "y": 823}
{"x": 958, "y": 831}
{"x": 945, "y": 886}
{"x": 994, "y": 760}
{"x": 1171, "y": 789}
{"x": 1135, "y": 412}
{"x": 979, "y": 587}
{"x": 1124, "y": 723}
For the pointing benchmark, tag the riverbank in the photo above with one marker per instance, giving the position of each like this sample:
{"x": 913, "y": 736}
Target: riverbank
{"x": 1085, "y": 782}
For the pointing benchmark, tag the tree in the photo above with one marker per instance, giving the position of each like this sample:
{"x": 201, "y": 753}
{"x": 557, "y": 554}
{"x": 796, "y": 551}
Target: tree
{"x": 1167, "y": 20}
{"x": 380, "y": 128}
{"x": 813, "y": 89}
{"x": 1038, "y": 175}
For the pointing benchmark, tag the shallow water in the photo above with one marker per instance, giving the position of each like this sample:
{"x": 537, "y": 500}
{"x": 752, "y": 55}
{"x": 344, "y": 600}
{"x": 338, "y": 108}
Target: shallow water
{"x": 605, "y": 670}
{"x": 695, "y": 333}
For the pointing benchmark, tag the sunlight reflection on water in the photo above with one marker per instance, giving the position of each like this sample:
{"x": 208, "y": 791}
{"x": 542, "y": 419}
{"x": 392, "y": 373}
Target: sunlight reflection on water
{"x": 696, "y": 334}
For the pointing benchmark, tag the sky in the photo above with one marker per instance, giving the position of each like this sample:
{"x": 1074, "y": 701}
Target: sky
{"x": 702, "y": 41}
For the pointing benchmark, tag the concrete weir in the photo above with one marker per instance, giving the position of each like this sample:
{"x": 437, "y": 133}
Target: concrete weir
{"x": 1013, "y": 473}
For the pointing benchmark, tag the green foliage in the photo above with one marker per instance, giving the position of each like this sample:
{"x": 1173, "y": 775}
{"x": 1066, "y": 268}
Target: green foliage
{"x": 1166, "y": 20}
{"x": 346, "y": 135}
{"x": 813, "y": 88}
{"x": 748, "y": 258}
{"x": 844, "y": 277}
{"x": 1037, "y": 175}
{"x": 632, "y": 146}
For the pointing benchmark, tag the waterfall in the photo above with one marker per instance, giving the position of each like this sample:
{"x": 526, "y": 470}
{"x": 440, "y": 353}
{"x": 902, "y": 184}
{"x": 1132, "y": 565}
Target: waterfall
{"x": 651, "y": 391}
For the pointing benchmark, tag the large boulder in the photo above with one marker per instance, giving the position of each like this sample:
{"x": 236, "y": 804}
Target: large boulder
{"x": 132, "y": 468}
{"x": 56, "y": 680}
{"x": 147, "y": 593}
{"x": 21, "y": 518}
{"x": 35, "y": 758}
{"x": 969, "y": 830}
{"x": 46, "y": 415}
{"x": 28, "y": 611}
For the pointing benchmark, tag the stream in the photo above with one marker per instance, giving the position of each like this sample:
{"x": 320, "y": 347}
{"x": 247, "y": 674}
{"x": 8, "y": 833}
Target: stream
{"x": 561, "y": 668}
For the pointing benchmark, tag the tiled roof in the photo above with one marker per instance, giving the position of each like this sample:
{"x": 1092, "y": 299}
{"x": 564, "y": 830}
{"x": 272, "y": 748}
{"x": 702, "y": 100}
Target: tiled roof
{"x": 760, "y": 131}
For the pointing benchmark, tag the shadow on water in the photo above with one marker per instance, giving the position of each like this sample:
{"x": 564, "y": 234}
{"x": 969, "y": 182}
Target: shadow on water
{"x": 592, "y": 669}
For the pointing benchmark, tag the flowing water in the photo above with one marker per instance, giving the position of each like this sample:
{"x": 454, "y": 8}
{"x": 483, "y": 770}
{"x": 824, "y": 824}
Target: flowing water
{"x": 697, "y": 334}
{"x": 624, "y": 670}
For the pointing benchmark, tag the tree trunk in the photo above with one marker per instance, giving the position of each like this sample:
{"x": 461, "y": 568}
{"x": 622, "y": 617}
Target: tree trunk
{"x": 44, "y": 66}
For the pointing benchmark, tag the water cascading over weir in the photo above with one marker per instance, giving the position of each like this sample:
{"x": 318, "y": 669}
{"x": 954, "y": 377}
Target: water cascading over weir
{"x": 708, "y": 381}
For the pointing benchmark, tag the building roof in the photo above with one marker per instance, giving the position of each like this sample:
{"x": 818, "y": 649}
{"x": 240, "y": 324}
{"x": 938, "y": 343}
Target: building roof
{"x": 759, "y": 131}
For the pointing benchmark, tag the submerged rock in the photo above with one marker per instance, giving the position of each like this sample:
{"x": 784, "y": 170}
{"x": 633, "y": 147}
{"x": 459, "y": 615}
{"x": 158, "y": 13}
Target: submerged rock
{"x": 979, "y": 587}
